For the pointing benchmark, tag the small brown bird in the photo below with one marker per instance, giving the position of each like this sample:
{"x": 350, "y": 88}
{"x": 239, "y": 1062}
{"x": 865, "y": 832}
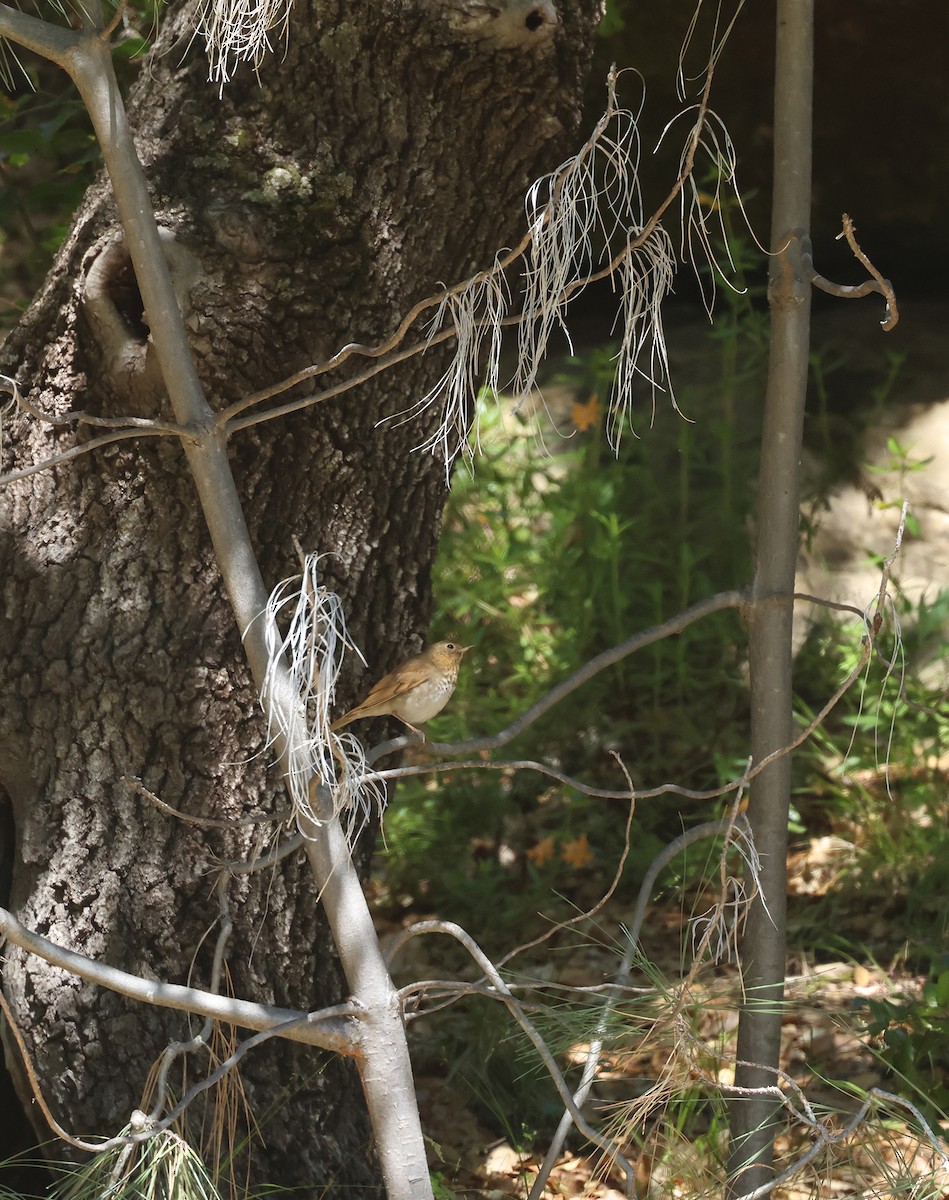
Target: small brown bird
{"x": 414, "y": 692}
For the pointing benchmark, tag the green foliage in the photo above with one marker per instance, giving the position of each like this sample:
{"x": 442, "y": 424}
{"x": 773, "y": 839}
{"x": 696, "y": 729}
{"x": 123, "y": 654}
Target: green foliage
{"x": 612, "y": 21}
{"x": 837, "y": 419}
{"x": 48, "y": 157}
{"x": 912, "y": 1038}
{"x": 901, "y": 464}
{"x": 441, "y": 1188}
{"x": 547, "y": 559}
{"x": 876, "y": 764}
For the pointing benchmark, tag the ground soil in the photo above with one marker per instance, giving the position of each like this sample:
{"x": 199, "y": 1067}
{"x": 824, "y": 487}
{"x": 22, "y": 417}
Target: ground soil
{"x": 662, "y": 1085}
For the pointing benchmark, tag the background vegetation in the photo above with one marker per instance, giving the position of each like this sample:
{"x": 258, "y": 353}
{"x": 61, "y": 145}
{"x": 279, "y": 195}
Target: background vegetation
{"x": 550, "y": 553}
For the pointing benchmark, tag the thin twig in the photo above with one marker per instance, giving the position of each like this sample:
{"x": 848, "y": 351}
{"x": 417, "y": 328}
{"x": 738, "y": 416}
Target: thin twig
{"x": 57, "y": 460}
{"x": 639, "y": 641}
{"x": 119, "y": 15}
{"x": 73, "y": 418}
{"x": 506, "y": 996}
{"x": 203, "y": 822}
{"x": 591, "y": 1063}
{"x": 34, "y": 1083}
{"x": 270, "y": 859}
{"x": 844, "y": 291}
{"x": 452, "y": 990}
{"x": 230, "y": 417}
{"x": 456, "y": 989}
{"x": 610, "y": 891}
{"x": 886, "y": 288}
{"x": 177, "y": 1050}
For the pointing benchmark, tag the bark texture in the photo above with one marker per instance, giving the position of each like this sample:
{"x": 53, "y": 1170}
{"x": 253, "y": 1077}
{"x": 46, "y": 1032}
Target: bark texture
{"x": 387, "y": 151}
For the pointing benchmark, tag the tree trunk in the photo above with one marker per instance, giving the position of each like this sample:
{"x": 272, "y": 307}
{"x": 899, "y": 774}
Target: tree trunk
{"x": 387, "y": 151}
{"x": 755, "y": 1118}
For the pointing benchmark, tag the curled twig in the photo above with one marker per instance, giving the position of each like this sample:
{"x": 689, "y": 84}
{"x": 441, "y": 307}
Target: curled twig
{"x": 611, "y": 889}
{"x": 876, "y": 283}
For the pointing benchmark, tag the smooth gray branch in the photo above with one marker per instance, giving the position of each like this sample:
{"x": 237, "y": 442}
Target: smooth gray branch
{"x": 331, "y": 1029}
{"x": 142, "y": 1127}
{"x": 43, "y": 37}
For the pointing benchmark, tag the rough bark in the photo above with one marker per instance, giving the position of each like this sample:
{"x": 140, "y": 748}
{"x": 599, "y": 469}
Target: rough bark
{"x": 388, "y": 150}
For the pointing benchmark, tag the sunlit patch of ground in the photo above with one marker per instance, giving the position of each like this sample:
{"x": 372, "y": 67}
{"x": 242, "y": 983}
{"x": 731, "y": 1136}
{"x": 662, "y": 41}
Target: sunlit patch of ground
{"x": 825, "y": 1052}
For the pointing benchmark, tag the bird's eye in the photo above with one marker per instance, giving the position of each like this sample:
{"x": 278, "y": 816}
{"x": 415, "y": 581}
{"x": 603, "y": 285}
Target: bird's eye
{"x": 450, "y": 646}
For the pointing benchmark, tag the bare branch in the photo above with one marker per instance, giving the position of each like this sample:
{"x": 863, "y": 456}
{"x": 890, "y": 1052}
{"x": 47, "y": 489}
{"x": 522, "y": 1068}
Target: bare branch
{"x": 332, "y": 1031}
{"x": 479, "y": 764}
{"x": 847, "y": 291}
{"x": 614, "y": 883}
{"x": 9, "y": 384}
{"x": 454, "y": 989}
{"x": 620, "y": 979}
{"x": 448, "y": 992}
{"x": 56, "y": 460}
{"x": 34, "y": 1083}
{"x": 303, "y": 1025}
{"x": 149, "y": 1126}
{"x": 178, "y": 1049}
{"x": 717, "y": 603}
{"x": 506, "y": 996}
{"x": 42, "y": 37}
{"x": 203, "y": 822}
{"x": 386, "y": 350}
{"x": 639, "y": 641}
{"x": 270, "y": 859}
{"x": 639, "y": 240}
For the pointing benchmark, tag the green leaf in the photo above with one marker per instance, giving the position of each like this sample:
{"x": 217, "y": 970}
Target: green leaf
{"x": 21, "y": 142}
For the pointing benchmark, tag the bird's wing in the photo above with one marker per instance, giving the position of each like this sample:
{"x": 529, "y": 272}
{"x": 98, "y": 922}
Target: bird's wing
{"x": 390, "y": 687}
